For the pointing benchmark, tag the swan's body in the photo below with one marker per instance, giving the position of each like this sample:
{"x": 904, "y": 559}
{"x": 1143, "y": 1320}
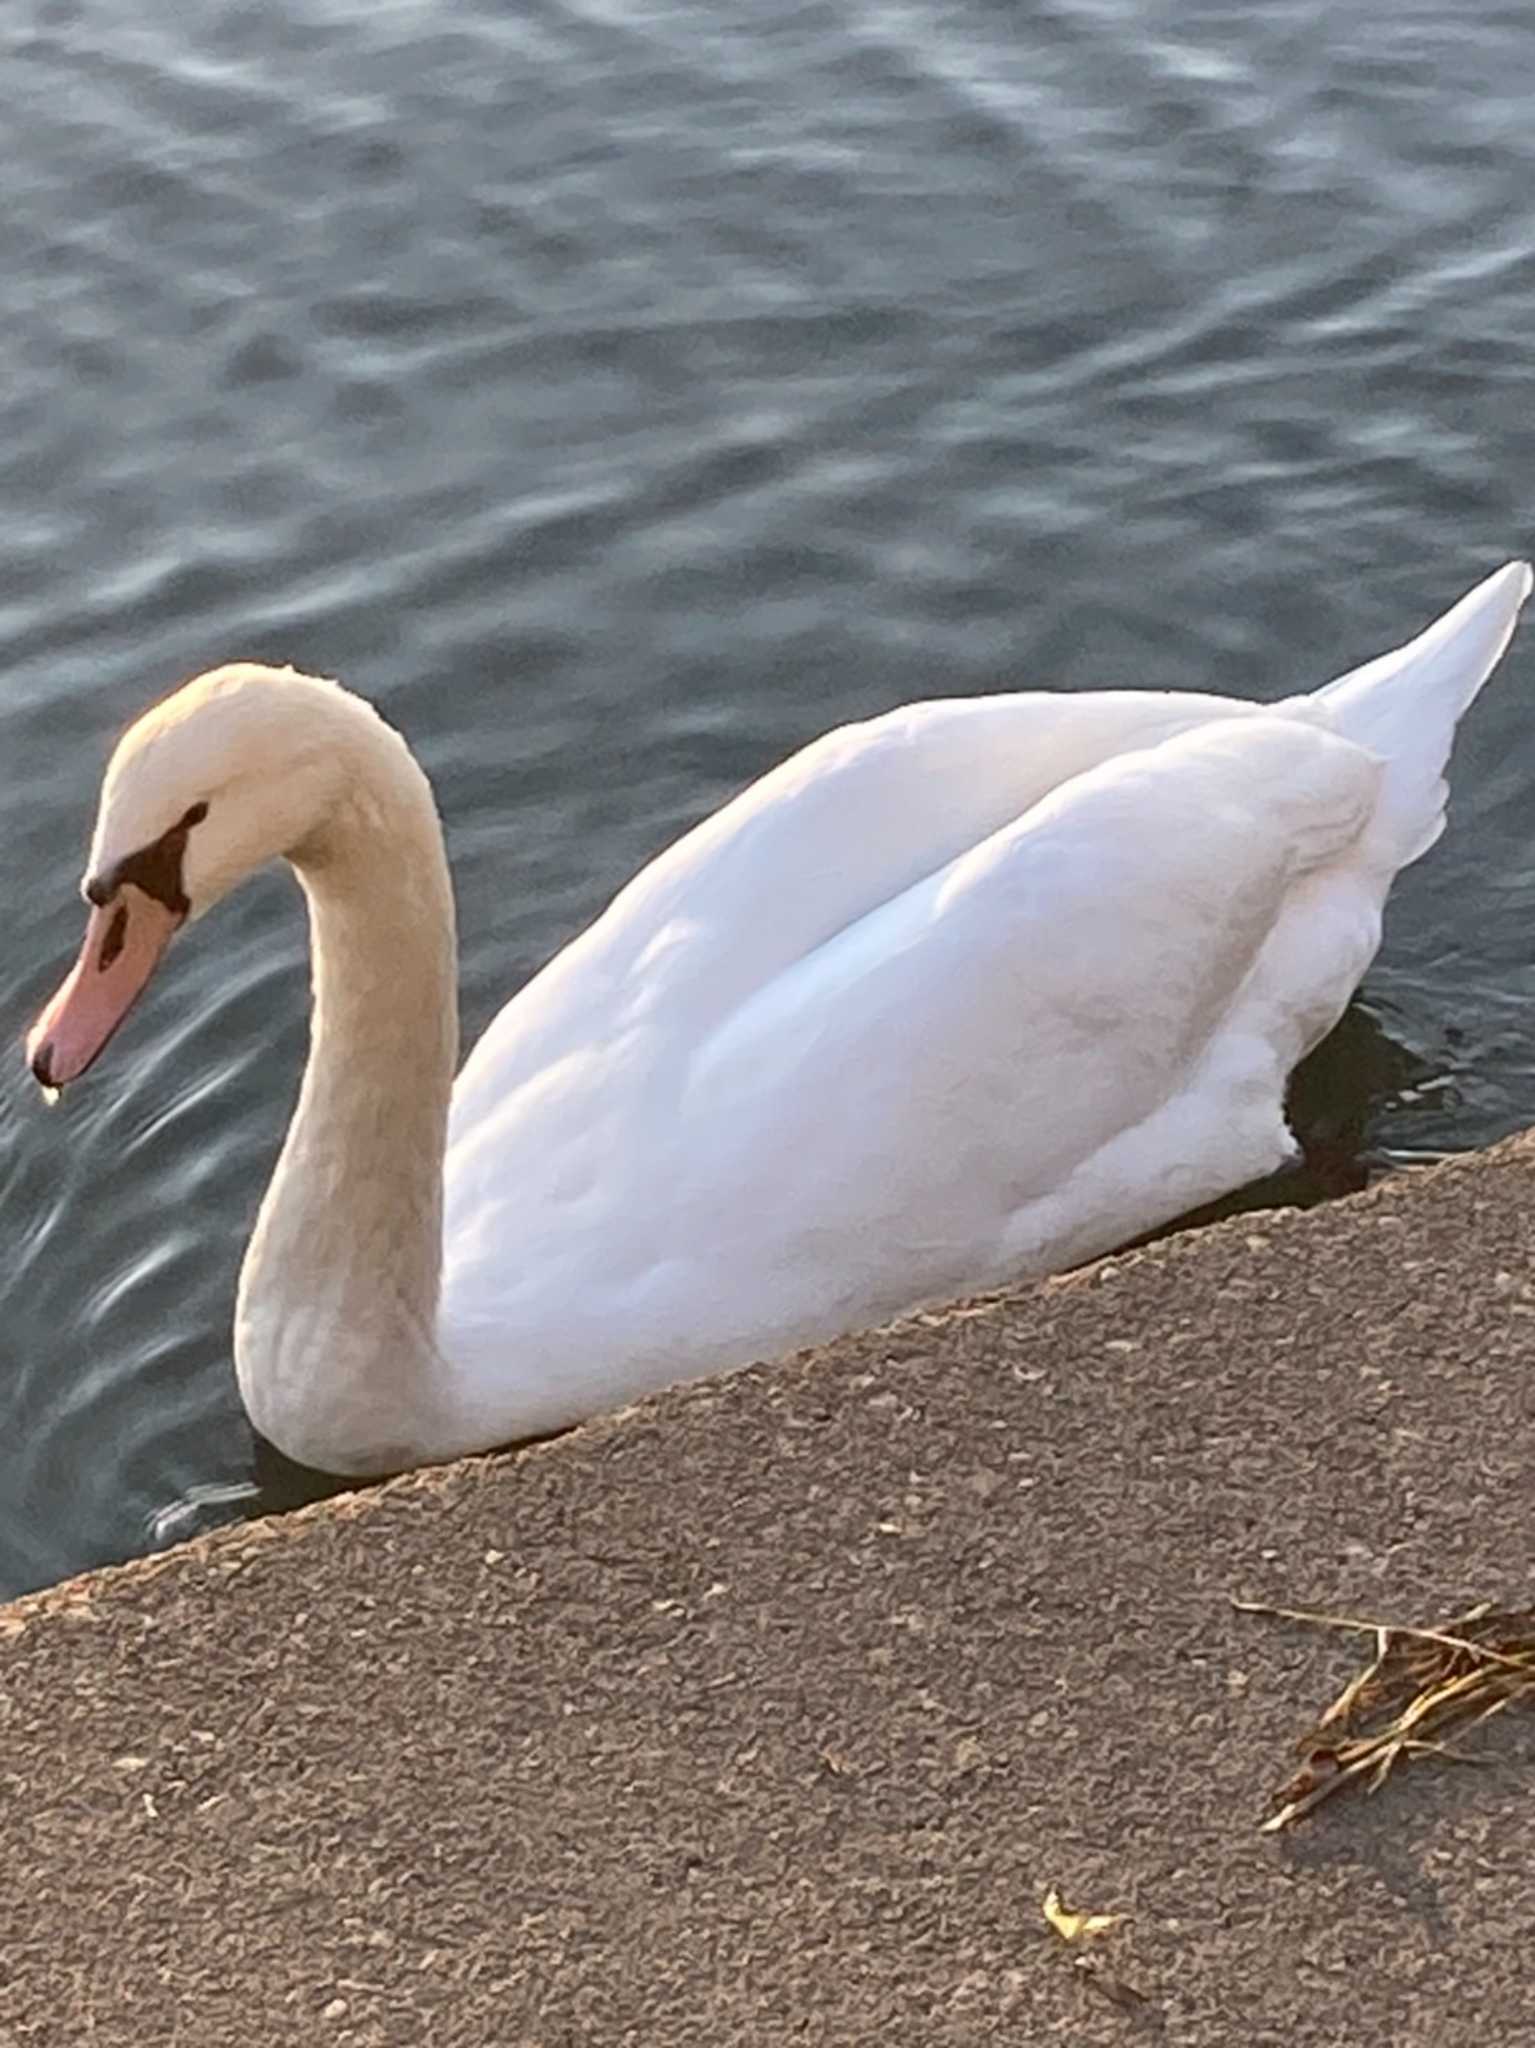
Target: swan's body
{"x": 969, "y": 992}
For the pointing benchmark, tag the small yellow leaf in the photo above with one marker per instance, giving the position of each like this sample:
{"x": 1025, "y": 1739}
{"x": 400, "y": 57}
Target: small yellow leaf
{"x": 1076, "y": 1926}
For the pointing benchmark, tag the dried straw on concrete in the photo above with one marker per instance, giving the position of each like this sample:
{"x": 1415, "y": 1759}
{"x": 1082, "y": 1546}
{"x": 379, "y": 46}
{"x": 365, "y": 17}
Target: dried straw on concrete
{"x": 1422, "y": 1686}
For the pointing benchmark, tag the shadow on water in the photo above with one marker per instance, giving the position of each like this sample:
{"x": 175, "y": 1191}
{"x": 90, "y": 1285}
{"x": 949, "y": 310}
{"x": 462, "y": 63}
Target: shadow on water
{"x": 1335, "y": 1098}
{"x": 1333, "y": 1103}
{"x": 276, "y": 1485}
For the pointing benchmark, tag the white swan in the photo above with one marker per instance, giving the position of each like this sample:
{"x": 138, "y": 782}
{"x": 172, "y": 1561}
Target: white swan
{"x": 973, "y": 990}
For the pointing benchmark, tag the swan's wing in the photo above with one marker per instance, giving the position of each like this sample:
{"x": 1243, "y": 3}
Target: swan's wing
{"x": 1067, "y": 975}
{"x": 845, "y": 825}
{"x": 1069, "y": 1026}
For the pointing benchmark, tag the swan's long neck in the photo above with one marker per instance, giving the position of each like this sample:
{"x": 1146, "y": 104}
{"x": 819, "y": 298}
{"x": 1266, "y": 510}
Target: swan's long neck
{"x": 335, "y": 1330}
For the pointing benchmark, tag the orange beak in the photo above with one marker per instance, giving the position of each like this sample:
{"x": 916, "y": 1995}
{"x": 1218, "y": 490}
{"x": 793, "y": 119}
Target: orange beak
{"x": 124, "y": 940}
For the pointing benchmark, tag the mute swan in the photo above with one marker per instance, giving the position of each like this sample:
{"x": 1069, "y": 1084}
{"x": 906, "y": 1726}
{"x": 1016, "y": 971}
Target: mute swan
{"x": 971, "y": 991}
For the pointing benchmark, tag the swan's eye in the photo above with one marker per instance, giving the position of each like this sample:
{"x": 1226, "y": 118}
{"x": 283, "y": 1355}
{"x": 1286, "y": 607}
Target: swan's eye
{"x": 155, "y": 868}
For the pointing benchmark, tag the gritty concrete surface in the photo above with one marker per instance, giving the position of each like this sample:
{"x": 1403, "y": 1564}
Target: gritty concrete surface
{"x": 767, "y": 1712}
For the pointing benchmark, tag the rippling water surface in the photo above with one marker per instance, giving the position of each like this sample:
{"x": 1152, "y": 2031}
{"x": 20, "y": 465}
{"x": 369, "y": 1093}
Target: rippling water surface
{"x": 621, "y": 393}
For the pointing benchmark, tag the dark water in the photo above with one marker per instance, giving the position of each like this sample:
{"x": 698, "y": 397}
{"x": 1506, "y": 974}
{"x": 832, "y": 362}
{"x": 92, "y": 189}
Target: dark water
{"x": 621, "y": 393}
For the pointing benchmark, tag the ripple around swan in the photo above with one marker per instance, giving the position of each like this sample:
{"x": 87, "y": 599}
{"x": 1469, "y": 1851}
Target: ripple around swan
{"x": 621, "y": 395}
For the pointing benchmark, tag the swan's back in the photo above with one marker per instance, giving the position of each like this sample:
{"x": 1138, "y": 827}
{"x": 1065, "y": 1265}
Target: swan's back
{"x": 820, "y": 842}
{"x": 973, "y": 990}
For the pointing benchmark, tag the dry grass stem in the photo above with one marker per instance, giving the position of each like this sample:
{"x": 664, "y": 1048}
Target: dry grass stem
{"x": 1422, "y": 1686}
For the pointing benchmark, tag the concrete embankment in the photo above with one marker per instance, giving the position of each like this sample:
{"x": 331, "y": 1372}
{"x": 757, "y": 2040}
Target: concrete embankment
{"x": 767, "y": 1712}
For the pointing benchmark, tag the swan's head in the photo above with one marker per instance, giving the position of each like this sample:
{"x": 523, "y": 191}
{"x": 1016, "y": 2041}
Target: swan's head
{"x": 234, "y": 770}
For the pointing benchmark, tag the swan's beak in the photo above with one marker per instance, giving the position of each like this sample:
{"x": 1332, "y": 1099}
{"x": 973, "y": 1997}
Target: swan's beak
{"x": 123, "y": 943}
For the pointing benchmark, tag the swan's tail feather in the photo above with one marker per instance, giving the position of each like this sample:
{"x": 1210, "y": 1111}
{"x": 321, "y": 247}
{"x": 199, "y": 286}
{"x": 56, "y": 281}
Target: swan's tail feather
{"x": 1404, "y": 706}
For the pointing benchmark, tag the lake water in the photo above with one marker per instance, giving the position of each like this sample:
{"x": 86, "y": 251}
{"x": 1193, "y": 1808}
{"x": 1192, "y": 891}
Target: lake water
{"x": 621, "y": 393}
